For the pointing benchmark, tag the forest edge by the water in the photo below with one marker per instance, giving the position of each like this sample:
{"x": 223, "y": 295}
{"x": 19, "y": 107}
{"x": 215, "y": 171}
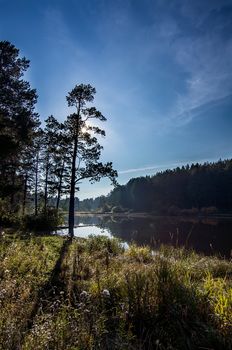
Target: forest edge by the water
{"x": 196, "y": 189}
{"x": 37, "y": 162}
{"x": 42, "y": 168}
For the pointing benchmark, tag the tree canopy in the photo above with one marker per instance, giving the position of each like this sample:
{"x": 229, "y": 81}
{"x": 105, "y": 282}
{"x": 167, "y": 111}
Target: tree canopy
{"x": 18, "y": 119}
{"x": 40, "y": 164}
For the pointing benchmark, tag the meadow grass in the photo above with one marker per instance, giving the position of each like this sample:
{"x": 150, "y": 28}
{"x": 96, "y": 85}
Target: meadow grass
{"x": 25, "y": 265}
{"x": 112, "y": 298}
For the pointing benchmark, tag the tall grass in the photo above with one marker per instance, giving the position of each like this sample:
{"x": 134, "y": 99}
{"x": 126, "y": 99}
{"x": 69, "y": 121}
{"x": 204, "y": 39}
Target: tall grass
{"x": 136, "y": 299}
{"x": 25, "y": 264}
{"x": 112, "y": 298}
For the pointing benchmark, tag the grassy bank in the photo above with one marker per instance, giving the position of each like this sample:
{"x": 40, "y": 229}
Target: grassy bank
{"x": 25, "y": 266}
{"x": 105, "y": 297}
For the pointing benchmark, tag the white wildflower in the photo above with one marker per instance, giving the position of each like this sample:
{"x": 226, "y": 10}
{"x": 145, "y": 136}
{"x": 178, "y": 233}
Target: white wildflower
{"x": 2, "y": 293}
{"x": 84, "y": 294}
{"x": 106, "y": 293}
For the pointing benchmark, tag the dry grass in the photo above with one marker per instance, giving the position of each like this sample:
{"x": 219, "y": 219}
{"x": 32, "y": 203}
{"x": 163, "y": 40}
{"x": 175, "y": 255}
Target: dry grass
{"x": 133, "y": 299}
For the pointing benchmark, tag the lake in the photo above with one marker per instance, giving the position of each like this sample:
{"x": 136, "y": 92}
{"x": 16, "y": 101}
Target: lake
{"x": 208, "y": 235}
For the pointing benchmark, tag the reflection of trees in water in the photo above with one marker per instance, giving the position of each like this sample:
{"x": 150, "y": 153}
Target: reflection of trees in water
{"x": 203, "y": 235}
{"x": 207, "y": 236}
{"x": 88, "y": 220}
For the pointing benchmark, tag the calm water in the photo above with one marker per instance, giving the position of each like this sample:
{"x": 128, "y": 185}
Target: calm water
{"x": 208, "y": 236}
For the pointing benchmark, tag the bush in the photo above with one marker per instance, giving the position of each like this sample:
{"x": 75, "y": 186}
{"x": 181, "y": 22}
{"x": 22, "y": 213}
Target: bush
{"x": 208, "y": 210}
{"x": 104, "y": 209}
{"x": 139, "y": 254}
{"x": 102, "y": 244}
{"x": 7, "y": 218}
{"x": 117, "y": 209}
{"x": 173, "y": 210}
{"x": 193, "y": 211}
{"x": 46, "y": 220}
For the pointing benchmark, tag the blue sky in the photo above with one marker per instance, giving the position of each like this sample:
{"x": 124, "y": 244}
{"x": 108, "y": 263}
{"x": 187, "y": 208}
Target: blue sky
{"x": 162, "y": 70}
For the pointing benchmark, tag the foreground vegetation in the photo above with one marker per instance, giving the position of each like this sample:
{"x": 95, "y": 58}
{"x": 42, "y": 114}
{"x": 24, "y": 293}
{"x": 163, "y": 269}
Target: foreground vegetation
{"x": 25, "y": 265}
{"x": 94, "y": 294}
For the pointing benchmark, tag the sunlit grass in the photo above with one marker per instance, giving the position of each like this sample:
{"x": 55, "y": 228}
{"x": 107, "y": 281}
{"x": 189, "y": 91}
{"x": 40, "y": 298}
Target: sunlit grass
{"x": 127, "y": 299}
{"x": 25, "y": 265}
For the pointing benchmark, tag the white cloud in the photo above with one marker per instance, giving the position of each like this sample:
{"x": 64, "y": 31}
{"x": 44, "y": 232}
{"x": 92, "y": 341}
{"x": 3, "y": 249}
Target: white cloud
{"x": 136, "y": 170}
{"x": 159, "y": 167}
{"x": 208, "y": 61}
{"x": 204, "y": 56}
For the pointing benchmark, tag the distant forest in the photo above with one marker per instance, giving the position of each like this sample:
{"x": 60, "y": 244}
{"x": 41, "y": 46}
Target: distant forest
{"x": 205, "y": 188}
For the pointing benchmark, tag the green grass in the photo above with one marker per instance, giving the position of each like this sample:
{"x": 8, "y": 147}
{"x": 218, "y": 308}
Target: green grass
{"x": 25, "y": 265}
{"x": 114, "y": 298}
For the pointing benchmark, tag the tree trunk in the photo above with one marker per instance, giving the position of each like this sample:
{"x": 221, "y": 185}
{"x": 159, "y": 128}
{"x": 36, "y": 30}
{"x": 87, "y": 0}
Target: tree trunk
{"x": 36, "y": 183}
{"x": 72, "y": 191}
{"x": 73, "y": 177}
{"x": 46, "y": 184}
{"x": 13, "y": 193}
{"x": 24, "y": 194}
{"x": 60, "y": 186}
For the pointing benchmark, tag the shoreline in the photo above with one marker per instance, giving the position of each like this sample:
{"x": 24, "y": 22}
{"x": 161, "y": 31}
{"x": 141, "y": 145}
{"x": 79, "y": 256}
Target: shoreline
{"x": 149, "y": 215}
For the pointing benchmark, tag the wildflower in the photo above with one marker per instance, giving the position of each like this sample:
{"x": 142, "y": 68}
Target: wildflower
{"x": 2, "y": 293}
{"x": 122, "y": 306}
{"x": 84, "y": 294}
{"x": 106, "y": 293}
{"x": 127, "y": 316}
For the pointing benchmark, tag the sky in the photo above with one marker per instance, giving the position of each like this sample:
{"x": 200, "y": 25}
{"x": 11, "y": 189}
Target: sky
{"x": 162, "y": 70}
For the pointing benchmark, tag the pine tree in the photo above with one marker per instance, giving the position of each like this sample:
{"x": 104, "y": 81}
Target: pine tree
{"x": 86, "y": 150}
{"x": 18, "y": 120}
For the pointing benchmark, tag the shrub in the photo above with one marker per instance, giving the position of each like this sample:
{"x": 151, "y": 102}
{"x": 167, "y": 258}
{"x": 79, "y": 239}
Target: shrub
{"x": 193, "y": 211}
{"x": 102, "y": 243}
{"x": 139, "y": 254}
{"x": 208, "y": 210}
{"x": 105, "y": 209}
{"x": 173, "y": 210}
{"x": 46, "y": 220}
{"x": 117, "y": 209}
{"x": 6, "y": 217}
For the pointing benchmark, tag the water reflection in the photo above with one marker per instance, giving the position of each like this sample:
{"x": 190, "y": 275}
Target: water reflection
{"x": 87, "y": 230}
{"x": 209, "y": 236}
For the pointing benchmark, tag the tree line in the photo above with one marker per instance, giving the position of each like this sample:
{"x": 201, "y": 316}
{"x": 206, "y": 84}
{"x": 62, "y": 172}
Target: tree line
{"x": 38, "y": 164}
{"x": 205, "y": 188}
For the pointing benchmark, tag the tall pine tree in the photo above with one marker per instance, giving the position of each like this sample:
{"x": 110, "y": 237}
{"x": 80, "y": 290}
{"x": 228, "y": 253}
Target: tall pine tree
{"x": 86, "y": 150}
{"x": 18, "y": 120}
